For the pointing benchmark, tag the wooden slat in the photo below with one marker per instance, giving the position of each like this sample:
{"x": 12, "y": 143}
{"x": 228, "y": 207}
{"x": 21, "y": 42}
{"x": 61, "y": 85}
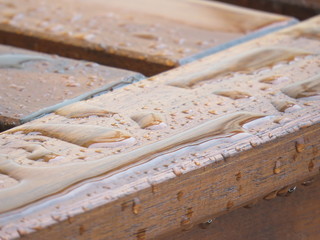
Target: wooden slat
{"x": 145, "y": 36}
{"x": 196, "y": 142}
{"x": 32, "y": 84}
{"x": 292, "y": 216}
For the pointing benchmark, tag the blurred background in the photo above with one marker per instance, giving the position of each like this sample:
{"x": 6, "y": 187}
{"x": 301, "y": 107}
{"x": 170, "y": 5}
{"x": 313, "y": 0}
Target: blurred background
{"x": 301, "y": 9}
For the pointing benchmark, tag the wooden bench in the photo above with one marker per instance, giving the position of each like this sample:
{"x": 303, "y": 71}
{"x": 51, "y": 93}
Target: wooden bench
{"x": 173, "y": 151}
{"x": 144, "y": 36}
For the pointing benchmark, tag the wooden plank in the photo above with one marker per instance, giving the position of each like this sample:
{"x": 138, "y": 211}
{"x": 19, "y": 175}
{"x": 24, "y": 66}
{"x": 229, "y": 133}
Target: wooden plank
{"x": 145, "y": 36}
{"x": 301, "y": 9}
{"x": 33, "y": 84}
{"x": 295, "y": 215}
{"x": 198, "y": 141}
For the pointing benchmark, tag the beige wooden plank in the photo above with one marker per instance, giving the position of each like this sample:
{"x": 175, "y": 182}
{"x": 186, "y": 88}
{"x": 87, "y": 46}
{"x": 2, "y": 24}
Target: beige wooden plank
{"x": 32, "y": 84}
{"x": 175, "y": 149}
{"x": 145, "y": 36}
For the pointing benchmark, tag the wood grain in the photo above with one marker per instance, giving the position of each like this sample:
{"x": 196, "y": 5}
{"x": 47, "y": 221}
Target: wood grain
{"x": 157, "y": 209}
{"x": 145, "y": 36}
{"x": 294, "y": 216}
{"x": 198, "y": 159}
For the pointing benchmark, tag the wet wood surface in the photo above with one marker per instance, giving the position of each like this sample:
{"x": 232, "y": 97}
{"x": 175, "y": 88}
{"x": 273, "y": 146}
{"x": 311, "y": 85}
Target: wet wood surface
{"x": 291, "y": 215}
{"x": 169, "y": 152}
{"x": 145, "y": 36}
{"x": 33, "y": 84}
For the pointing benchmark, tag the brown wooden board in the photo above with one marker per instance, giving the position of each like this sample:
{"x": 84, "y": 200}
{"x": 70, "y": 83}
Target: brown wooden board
{"x": 301, "y": 9}
{"x": 292, "y": 215}
{"x": 148, "y": 36}
{"x": 171, "y": 151}
{"x": 33, "y": 84}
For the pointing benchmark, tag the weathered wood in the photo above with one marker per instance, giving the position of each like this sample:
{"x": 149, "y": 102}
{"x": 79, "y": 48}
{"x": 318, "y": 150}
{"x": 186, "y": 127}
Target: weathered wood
{"x": 145, "y": 36}
{"x": 168, "y": 152}
{"x": 294, "y": 216}
{"x": 33, "y": 84}
{"x": 301, "y": 9}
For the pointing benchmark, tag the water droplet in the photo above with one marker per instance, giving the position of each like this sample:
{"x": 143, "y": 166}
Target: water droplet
{"x": 308, "y": 182}
{"x": 292, "y": 189}
{"x": 189, "y": 212}
{"x": 254, "y": 143}
{"x": 232, "y": 94}
{"x": 82, "y": 135}
{"x": 264, "y": 88}
{"x": 196, "y": 162}
{"x": 247, "y": 62}
{"x": 238, "y": 149}
{"x": 311, "y": 32}
{"x": 157, "y": 46}
{"x": 180, "y": 195}
{"x": 177, "y": 171}
{"x": 277, "y": 169}
{"x": 83, "y": 109}
{"x": 154, "y": 188}
{"x": 180, "y": 41}
{"x": 81, "y": 230}
{"x": 238, "y": 176}
{"x": 251, "y": 204}
{"x": 84, "y": 36}
{"x": 206, "y": 224}
{"x": 147, "y": 36}
{"x": 37, "y": 227}
{"x": 56, "y": 217}
{"x": 300, "y": 145}
{"x": 285, "y": 106}
{"x": 7, "y": 181}
{"x": 72, "y": 83}
{"x": 125, "y": 44}
{"x": 136, "y": 206}
{"x": 125, "y": 205}
{"x": 281, "y": 120}
{"x": 186, "y": 223}
{"x": 257, "y": 122}
{"x": 57, "y": 28}
{"x": 212, "y": 112}
{"x": 150, "y": 121}
{"x": 39, "y": 153}
{"x": 16, "y": 60}
{"x": 22, "y": 232}
{"x": 230, "y": 205}
{"x": 307, "y": 90}
{"x": 186, "y": 111}
{"x": 274, "y": 79}
{"x": 271, "y": 196}
{"x": 283, "y": 191}
{"x": 16, "y": 87}
{"x": 310, "y": 166}
{"x": 70, "y": 219}
{"x": 141, "y": 234}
